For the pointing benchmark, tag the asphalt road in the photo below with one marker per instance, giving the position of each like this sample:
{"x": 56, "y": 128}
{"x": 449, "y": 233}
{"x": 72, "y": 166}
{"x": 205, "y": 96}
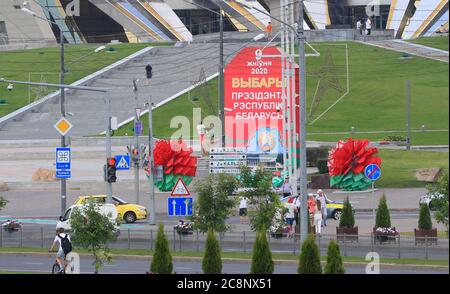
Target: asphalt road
{"x": 43, "y": 264}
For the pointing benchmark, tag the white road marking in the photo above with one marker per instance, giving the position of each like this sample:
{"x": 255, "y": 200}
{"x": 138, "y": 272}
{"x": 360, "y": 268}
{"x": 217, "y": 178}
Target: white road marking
{"x": 34, "y": 263}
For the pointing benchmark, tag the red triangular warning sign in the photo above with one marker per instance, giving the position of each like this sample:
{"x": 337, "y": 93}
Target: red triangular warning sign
{"x": 180, "y": 189}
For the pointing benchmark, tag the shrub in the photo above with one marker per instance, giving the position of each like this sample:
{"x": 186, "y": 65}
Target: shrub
{"x": 334, "y": 260}
{"x": 262, "y": 262}
{"x": 383, "y": 218}
{"x": 309, "y": 262}
{"x": 347, "y": 219}
{"x": 425, "y": 218}
{"x": 322, "y": 165}
{"x": 212, "y": 262}
{"x": 313, "y": 154}
{"x": 162, "y": 259}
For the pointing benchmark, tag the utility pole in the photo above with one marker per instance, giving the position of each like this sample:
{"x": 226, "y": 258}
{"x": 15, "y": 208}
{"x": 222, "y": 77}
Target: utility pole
{"x": 304, "y": 222}
{"x": 408, "y": 115}
{"x": 136, "y": 157}
{"x": 151, "y": 163}
{"x": 63, "y": 114}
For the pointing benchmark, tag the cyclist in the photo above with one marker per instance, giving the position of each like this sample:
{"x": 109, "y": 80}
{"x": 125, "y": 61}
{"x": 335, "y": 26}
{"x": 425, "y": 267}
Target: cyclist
{"x": 63, "y": 240}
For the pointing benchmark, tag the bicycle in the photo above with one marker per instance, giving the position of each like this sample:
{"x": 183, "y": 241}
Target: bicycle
{"x": 56, "y": 268}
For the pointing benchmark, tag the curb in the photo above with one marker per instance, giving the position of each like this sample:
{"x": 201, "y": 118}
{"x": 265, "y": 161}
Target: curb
{"x": 244, "y": 261}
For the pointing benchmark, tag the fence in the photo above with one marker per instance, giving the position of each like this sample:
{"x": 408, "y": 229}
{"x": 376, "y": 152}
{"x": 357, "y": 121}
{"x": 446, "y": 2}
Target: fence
{"x": 350, "y": 245}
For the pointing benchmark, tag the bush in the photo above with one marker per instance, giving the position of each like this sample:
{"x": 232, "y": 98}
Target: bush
{"x": 383, "y": 218}
{"x": 162, "y": 259}
{"x": 334, "y": 260}
{"x": 262, "y": 262}
{"x": 309, "y": 262}
{"x": 3, "y": 202}
{"x": 322, "y": 165}
{"x": 441, "y": 204}
{"x": 313, "y": 154}
{"x": 425, "y": 218}
{"x": 212, "y": 262}
{"x": 347, "y": 219}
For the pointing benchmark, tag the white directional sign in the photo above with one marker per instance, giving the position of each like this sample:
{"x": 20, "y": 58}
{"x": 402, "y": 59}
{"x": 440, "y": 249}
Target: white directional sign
{"x": 221, "y": 150}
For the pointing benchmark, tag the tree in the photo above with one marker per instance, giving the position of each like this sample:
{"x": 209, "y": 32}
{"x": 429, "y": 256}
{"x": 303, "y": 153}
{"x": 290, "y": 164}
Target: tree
{"x": 3, "y": 202}
{"x": 212, "y": 262}
{"x": 162, "y": 259}
{"x": 383, "y": 218}
{"x": 309, "y": 262}
{"x": 334, "y": 260}
{"x": 425, "y": 218}
{"x": 441, "y": 203}
{"x": 347, "y": 219}
{"x": 93, "y": 230}
{"x": 262, "y": 262}
{"x": 258, "y": 189}
{"x": 214, "y": 203}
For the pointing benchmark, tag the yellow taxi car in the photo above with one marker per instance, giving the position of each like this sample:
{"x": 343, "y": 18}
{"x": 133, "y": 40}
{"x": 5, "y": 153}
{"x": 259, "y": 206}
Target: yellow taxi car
{"x": 129, "y": 212}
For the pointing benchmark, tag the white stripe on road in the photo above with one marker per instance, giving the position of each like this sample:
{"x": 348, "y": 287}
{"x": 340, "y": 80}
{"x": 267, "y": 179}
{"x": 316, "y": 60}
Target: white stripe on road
{"x": 183, "y": 268}
{"x": 34, "y": 263}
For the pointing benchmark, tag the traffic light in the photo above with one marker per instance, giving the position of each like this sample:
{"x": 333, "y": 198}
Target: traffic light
{"x": 148, "y": 70}
{"x": 111, "y": 170}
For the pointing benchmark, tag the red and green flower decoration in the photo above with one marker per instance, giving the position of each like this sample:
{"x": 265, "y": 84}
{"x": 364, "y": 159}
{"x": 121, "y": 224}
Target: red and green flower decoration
{"x": 346, "y": 164}
{"x": 177, "y": 162}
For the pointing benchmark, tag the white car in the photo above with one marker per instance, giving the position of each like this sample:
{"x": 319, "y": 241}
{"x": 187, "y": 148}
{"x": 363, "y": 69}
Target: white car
{"x": 109, "y": 210}
{"x": 429, "y": 199}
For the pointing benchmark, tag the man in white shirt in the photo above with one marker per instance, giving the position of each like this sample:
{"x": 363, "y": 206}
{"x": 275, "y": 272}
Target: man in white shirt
{"x": 243, "y": 209}
{"x": 323, "y": 206}
{"x": 289, "y": 217}
{"x": 60, "y": 256}
{"x": 359, "y": 26}
{"x": 368, "y": 25}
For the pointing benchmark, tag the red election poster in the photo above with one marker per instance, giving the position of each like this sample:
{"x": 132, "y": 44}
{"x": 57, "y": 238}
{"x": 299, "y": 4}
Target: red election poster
{"x": 253, "y": 101}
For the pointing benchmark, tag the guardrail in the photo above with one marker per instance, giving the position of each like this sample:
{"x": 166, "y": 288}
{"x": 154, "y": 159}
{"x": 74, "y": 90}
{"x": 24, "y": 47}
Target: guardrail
{"x": 350, "y": 245}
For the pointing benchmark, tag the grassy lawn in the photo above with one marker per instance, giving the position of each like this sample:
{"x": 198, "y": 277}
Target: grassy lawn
{"x": 435, "y": 42}
{"x": 441, "y": 234}
{"x": 398, "y": 166}
{"x": 376, "y": 100}
{"x": 43, "y": 65}
{"x": 241, "y": 255}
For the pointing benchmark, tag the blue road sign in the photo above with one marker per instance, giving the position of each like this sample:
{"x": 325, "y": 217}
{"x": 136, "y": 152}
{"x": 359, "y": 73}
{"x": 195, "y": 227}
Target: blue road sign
{"x": 372, "y": 172}
{"x": 63, "y": 174}
{"x": 62, "y": 158}
{"x": 138, "y": 127}
{"x": 179, "y": 206}
{"x": 122, "y": 162}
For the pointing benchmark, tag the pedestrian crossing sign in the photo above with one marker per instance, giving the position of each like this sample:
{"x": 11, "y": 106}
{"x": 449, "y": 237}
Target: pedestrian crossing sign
{"x": 122, "y": 162}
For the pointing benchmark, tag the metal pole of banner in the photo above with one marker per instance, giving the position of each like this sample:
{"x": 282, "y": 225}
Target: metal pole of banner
{"x": 283, "y": 97}
{"x": 302, "y": 91}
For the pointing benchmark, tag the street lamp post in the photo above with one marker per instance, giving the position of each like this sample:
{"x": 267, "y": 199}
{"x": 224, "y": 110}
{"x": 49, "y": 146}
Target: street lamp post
{"x": 62, "y": 96}
{"x": 221, "y": 64}
{"x": 299, "y": 32}
{"x": 108, "y": 116}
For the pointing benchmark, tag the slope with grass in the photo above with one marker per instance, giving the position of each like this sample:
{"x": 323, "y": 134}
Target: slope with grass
{"x": 43, "y": 65}
{"x": 375, "y": 103}
{"x": 439, "y": 42}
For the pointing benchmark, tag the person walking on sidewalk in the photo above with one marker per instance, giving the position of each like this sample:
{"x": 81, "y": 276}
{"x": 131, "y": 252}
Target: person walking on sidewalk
{"x": 286, "y": 188}
{"x": 359, "y": 26}
{"x": 369, "y": 26}
{"x": 201, "y": 130}
{"x": 269, "y": 30}
{"x": 323, "y": 204}
{"x": 243, "y": 210}
{"x": 318, "y": 217}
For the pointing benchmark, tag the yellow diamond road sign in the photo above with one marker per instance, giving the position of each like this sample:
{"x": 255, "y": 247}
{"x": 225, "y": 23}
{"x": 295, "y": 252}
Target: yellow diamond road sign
{"x": 63, "y": 126}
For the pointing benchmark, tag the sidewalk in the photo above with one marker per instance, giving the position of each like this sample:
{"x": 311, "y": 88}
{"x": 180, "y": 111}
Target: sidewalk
{"x": 413, "y": 49}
